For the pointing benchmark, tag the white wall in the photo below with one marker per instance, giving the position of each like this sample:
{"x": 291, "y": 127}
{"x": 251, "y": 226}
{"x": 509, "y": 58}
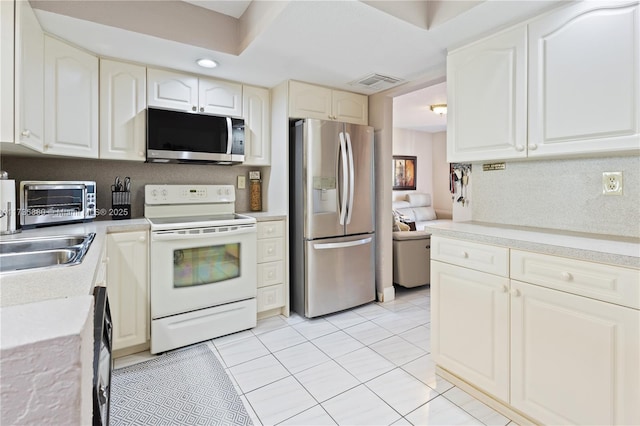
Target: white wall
{"x": 411, "y": 142}
{"x": 441, "y": 196}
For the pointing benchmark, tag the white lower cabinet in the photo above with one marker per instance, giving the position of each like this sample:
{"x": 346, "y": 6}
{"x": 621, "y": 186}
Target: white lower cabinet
{"x": 574, "y": 360}
{"x": 548, "y": 347}
{"x": 272, "y": 289}
{"x": 471, "y": 310}
{"x": 128, "y": 287}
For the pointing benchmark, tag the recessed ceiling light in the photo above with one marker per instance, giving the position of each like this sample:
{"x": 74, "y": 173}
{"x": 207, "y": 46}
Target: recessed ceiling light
{"x": 207, "y": 63}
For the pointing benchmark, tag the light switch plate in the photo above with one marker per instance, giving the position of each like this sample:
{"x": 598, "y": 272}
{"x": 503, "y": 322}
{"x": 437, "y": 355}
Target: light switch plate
{"x": 241, "y": 182}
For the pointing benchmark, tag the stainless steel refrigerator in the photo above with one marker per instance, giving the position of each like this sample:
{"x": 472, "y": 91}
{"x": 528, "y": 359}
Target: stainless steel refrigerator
{"x": 332, "y": 202}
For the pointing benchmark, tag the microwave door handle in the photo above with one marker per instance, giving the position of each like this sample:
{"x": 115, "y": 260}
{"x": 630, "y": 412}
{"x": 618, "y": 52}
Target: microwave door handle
{"x": 229, "y": 135}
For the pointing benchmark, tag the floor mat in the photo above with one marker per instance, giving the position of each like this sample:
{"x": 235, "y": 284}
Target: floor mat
{"x": 187, "y": 386}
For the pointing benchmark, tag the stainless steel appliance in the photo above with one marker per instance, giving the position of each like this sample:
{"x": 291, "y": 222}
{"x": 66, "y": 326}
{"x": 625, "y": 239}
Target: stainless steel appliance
{"x": 203, "y": 265}
{"x": 52, "y": 202}
{"x": 182, "y": 137}
{"x": 102, "y": 360}
{"x": 332, "y": 203}
{"x": 7, "y": 204}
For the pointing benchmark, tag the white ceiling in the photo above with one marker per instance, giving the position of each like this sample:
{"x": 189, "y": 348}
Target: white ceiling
{"x": 330, "y": 43}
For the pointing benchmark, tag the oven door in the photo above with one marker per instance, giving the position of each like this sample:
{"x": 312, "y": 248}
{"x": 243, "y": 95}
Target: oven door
{"x": 200, "y": 268}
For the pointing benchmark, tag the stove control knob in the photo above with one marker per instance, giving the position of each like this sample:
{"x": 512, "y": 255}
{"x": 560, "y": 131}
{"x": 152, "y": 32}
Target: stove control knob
{"x": 219, "y": 191}
{"x": 154, "y": 193}
{"x": 165, "y": 192}
{"x": 228, "y": 191}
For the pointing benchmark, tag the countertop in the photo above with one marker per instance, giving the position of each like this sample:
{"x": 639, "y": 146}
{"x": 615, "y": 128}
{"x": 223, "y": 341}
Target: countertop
{"x": 612, "y": 250}
{"x": 37, "y": 285}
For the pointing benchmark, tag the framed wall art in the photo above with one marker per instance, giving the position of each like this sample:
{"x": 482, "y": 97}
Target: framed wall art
{"x": 404, "y": 172}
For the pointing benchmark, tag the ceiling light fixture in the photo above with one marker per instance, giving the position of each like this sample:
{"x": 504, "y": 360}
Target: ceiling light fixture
{"x": 439, "y": 108}
{"x": 207, "y": 63}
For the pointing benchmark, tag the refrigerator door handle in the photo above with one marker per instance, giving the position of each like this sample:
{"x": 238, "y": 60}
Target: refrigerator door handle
{"x": 343, "y": 201}
{"x": 324, "y": 246}
{"x": 351, "y": 178}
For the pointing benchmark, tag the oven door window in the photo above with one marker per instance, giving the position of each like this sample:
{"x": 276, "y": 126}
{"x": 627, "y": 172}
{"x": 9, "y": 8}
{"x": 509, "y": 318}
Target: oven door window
{"x": 205, "y": 265}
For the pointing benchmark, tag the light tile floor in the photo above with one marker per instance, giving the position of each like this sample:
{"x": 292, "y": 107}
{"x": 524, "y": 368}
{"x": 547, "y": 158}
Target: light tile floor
{"x": 370, "y": 365}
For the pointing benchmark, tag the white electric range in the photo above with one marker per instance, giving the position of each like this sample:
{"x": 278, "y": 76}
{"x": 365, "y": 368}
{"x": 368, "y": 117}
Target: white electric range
{"x": 202, "y": 264}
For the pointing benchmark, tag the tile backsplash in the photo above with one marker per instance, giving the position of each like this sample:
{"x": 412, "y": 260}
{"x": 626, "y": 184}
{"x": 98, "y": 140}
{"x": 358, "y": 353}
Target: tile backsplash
{"x": 104, "y": 172}
{"x": 564, "y": 194}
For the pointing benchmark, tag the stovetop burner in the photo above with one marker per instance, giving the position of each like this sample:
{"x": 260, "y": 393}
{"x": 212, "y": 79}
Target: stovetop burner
{"x": 192, "y": 206}
{"x": 183, "y": 222}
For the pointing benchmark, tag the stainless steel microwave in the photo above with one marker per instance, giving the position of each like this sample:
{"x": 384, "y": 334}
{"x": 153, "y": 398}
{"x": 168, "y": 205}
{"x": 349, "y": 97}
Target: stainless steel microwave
{"x": 184, "y": 137}
{"x": 45, "y": 203}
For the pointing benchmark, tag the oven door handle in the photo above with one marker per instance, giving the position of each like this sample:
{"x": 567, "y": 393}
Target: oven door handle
{"x": 172, "y": 236}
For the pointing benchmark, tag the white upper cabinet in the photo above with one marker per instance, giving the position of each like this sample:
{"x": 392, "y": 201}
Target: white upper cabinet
{"x": 256, "y": 106}
{"x": 122, "y": 110}
{"x": 71, "y": 100}
{"x": 7, "y": 26}
{"x": 29, "y": 79}
{"x": 184, "y": 92}
{"x": 487, "y": 93}
{"x": 310, "y": 101}
{"x": 220, "y": 97}
{"x": 564, "y": 84}
{"x": 172, "y": 90}
{"x": 584, "y": 79}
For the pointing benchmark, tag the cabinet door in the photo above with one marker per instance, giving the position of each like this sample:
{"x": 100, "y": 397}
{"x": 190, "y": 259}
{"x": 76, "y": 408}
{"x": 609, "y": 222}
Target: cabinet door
{"x": 487, "y": 99}
{"x": 309, "y": 101}
{"x": 71, "y": 100}
{"x": 29, "y": 79}
{"x": 127, "y": 284}
{"x": 584, "y": 79}
{"x": 256, "y": 110}
{"x": 470, "y": 326}
{"x": 350, "y": 107}
{"x": 6, "y": 71}
{"x": 166, "y": 89}
{"x": 123, "y": 99}
{"x": 220, "y": 97}
{"x": 574, "y": 360}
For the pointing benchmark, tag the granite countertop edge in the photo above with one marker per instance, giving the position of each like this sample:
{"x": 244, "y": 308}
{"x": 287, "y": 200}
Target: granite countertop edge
{"x": 613, "y": 250}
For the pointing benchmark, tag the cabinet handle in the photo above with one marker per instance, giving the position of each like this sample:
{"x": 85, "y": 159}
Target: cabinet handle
{"x": 142, "y": 239}
{"x": 533, "y": 147}
{"x": 464, "y": 254}
{"x": 201, "y": 109}
{"x": 140, "y": 154}
{"x": 504, "y": 289}
{"x": 515, "y": 292}
{"x": 105, "y": 260}
{"x": 270, "y": 250}
{"x": 46, "y": 147}
{"x": 193, "y": 108}
{"x": 26, "y": 133}
{"x": 566, "y": 276}
{"x": 519, "y": 148}
{"x": 271, "y": 274}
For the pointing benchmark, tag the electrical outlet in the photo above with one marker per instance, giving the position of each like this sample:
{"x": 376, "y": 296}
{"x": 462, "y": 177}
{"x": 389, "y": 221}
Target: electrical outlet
{"x": 241, "y": 182}
{"x": 612, "y": 183}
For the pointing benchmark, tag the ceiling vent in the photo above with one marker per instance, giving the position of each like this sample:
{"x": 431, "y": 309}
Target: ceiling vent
{"x": 377, "y": 82}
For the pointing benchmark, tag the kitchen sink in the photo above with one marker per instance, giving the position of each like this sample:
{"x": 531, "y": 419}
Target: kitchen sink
{"x": 42, "y": 243}
{"x": 44, "y": 252}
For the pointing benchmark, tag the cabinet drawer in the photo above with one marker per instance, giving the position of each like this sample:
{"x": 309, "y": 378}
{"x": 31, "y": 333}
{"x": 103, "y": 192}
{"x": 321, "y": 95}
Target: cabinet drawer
{"x": 270, "y": 229}
{"x": 270, "y": 297}
{"x": 270, "y": 273}
{"x": 481, "y": 257}
{"x": 270, "y": 250}
{"x": 602, "y": 282}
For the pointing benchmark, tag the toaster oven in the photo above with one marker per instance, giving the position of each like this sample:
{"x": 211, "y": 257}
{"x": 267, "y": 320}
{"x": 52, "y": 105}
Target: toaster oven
{"x": 45, "y": 203}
